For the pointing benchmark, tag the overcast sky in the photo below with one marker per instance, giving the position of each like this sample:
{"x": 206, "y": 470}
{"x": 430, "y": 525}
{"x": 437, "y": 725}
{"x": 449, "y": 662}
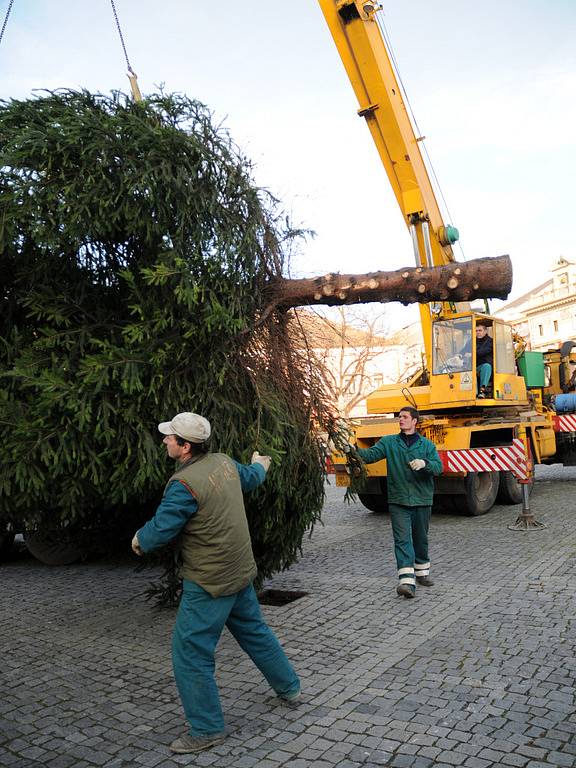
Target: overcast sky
{"x": 492, "y": 85}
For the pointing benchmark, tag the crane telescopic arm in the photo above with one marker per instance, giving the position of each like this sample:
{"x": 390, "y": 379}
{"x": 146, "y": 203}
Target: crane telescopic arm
{"x": 360, "y": 43}
{"x": 361, "y": 46}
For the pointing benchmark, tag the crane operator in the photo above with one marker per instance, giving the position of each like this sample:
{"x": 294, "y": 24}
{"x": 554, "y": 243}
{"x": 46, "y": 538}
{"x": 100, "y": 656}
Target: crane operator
{"x": 484, "y": 351}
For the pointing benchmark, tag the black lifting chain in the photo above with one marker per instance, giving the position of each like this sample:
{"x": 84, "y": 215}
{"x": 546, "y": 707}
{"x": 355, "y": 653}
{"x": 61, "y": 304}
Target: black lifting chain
{"x": 6, "y": 19}
{"x": 121, "y": 37}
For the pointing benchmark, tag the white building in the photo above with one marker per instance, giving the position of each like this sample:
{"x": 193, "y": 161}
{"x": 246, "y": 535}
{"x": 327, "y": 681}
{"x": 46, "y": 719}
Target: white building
{"x": 361, "y": 359}
{"x": 546, "y": 315}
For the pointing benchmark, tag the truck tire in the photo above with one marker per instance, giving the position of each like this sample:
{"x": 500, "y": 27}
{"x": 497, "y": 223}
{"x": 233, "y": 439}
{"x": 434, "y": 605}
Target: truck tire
{"x": 6, "y": 541}
{"x": 510, "y": 490}
{"x": 53, "y": 547}
{"x": 376, "y": 502}
{"x": 446, "y": 504}
{"x": 481, "y": 489}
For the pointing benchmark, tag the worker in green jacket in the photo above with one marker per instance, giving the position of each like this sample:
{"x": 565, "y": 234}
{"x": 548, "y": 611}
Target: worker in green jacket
{"x": 412, "y": 462}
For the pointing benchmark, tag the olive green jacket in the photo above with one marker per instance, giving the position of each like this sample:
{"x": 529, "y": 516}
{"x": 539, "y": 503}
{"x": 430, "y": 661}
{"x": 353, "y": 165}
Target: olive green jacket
{"x": 215, "y": 544}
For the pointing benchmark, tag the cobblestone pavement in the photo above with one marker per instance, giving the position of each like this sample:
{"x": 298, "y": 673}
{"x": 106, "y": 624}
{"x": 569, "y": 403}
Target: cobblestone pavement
{"x": 478, "y": 671}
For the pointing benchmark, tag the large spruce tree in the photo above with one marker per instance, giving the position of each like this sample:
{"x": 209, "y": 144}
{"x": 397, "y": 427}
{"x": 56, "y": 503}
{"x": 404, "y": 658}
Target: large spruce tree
{"x": 134, "y": 251}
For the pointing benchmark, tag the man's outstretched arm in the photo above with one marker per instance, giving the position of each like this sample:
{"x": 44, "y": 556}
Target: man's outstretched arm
{"x": 176, "y": 508}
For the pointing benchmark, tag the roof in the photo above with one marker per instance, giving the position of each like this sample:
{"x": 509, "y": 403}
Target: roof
{"x": 524, "y": 298}
{"x": 322, "y": 332}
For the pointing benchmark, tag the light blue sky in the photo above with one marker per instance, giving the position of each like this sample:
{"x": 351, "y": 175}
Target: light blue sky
{"x": 492, "y": 84}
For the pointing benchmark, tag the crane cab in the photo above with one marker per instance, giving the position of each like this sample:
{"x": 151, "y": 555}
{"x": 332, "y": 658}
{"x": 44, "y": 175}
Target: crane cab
{"x": 456, "y": 363}
{"x": 453, "y": 380}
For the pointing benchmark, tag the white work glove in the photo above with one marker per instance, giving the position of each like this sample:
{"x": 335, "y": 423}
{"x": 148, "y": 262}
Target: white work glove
{"x": 136, "y": 548}
{"x": 417, "y": 464}
{"x": 455, "y": 362}
{"x": 264, "y": 461}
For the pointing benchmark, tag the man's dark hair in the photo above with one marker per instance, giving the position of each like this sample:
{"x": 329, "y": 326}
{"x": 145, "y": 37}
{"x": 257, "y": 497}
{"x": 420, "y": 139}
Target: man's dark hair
{"x": 412, "y": 411}
{"x": 195, "y": 448}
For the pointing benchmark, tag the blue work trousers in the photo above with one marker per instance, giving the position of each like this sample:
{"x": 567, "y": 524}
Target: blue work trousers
{"x": 410, "y": 529}
{"x": 199, "y": 624}
{"x": 484, "y": 373}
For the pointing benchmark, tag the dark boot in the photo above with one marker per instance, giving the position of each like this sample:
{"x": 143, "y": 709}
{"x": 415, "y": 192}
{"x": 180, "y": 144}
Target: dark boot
{"x": 406, "y": 590}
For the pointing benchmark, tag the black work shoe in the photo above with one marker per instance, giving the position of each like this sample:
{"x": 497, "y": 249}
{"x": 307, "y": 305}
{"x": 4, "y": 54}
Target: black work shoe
{"x": 425, "y": 581}
{"x": 186, "y": 744}
{"x": 406, "y": 590}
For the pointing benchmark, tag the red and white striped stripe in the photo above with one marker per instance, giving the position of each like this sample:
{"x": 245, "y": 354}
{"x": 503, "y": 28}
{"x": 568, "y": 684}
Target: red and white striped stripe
{"x": 565, "y": 423}
{"x": 504, "y": 458}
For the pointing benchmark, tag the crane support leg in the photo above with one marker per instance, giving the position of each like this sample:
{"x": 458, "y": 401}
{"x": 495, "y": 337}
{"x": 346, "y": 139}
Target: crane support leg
{"x": 526, "y": 520}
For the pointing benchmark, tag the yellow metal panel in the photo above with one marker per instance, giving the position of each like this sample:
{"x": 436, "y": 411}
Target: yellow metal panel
{"x": 544, "y": 442}
{"x": 369, "y": 430}
{"x": 509, "y": 387}
{"x": 390, "y": 399}
{"x": 378, "y": 469}
{"x": 455, "y": 389}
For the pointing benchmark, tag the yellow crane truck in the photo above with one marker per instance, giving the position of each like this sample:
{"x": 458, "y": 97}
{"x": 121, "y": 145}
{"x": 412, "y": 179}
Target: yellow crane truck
{"x": 488, "y": 441}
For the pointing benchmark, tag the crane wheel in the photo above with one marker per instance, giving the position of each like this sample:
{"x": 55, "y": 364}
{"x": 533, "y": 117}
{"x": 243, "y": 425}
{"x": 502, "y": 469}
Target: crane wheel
{"x": 510, "y": 490}
{"x": 53, "y": 547}
{"x": 448, "y": 504}
{"x": 481, "y": 489}
{"x": 6, "y": 541}
{"x": 376, "y": 502}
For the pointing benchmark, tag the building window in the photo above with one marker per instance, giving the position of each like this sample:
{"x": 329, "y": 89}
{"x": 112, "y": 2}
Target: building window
{"x": 377, "y": 380}
{"x": 556, "y": 325}
{"x": 350, "y": 385}
{"x": 541, "y": 330}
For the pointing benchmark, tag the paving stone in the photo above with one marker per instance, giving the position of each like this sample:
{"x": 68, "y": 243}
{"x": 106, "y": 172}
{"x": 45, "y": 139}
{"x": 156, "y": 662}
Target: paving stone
{"x": 423, "y": 739}
{"x": 561, "y": 759}
{"x": 468, "y": 749}
{"x": 451, "y": 758}
{"x": 491, "y": 755}
{"x": 537, "y": 764}
{"x": 477, "y": 762}
{"x": 532, "y": 752}
{"x": 515, "y": 760}
{"x": 61, "y": 761}
{"x": 422, "y": 762}
{"x": 401, "y": 761}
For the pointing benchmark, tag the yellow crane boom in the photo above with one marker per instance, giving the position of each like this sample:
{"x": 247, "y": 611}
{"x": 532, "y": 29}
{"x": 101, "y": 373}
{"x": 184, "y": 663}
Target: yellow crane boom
{"x": 357, "y": 35}
{"x": 356, "y": 32}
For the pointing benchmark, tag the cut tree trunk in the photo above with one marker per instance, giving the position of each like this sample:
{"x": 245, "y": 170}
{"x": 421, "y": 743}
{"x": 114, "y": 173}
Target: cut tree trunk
{"x": 458, "y": 281}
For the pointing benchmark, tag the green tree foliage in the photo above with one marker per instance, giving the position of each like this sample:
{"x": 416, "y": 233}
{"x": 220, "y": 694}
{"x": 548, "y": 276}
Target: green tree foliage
{"x": 135, "y": 250}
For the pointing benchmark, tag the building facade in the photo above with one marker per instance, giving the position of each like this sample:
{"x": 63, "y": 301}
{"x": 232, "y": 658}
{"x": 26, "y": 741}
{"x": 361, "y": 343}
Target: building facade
{"x": 546, "y": 315}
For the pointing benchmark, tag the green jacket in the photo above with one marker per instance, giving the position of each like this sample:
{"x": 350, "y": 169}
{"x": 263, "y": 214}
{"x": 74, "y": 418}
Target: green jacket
{"x": 406, "y": 486}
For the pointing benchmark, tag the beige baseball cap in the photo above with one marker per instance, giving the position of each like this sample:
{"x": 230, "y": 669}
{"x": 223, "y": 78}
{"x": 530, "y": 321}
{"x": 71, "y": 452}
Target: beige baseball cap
{"x": 190, "y": 426}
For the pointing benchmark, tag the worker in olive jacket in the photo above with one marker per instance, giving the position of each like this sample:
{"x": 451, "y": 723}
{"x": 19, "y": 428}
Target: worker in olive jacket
{"x": 203, "y": 505}
{"x": 412, "y": 462}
